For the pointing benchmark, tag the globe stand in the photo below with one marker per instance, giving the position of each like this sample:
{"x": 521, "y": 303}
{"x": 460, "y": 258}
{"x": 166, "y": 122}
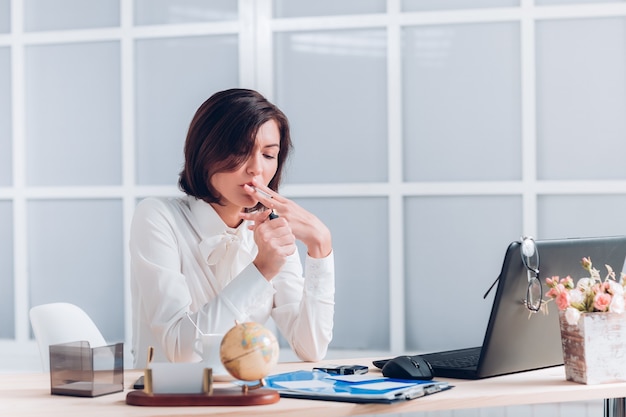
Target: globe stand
{"x": 245, "y": 387}
{"x": 210, "y": 395}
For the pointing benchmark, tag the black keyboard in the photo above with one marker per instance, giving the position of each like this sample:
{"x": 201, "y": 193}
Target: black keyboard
{"x": 468, "y": 361}
{"x": 451, "y": 359}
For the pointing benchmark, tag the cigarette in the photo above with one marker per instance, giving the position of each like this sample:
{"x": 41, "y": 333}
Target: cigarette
{"x": 272, "y": 215}
{"x": 265, "y": 194}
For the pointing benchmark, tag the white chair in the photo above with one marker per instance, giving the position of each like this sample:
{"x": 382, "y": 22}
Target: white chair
{"x": 61, "y": 323}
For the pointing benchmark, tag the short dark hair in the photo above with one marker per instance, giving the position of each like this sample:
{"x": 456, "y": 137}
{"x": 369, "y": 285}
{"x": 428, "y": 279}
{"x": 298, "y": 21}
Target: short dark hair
{"x": 222, "y": 135}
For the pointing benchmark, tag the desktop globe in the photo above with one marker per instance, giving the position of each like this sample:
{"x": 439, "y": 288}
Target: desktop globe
{"x": 249, "y": 351}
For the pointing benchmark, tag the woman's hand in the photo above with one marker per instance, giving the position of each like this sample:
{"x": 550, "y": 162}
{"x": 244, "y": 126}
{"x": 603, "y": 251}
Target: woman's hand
{"x": 305, "y": 226}
{"x": 274, "y": 240}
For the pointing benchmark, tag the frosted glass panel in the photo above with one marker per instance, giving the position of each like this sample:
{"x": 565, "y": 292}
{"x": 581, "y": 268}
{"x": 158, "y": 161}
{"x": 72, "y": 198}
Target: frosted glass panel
{"x": 581, "y": 99}
{"x": 361, "y": 269}
{"x": 293, "y": 8}
{"x": 418, "y": 5}
{"x": 76, "y": 254}
{"x": 173, "y": 78}
{"x": 553, "y": 2}
{"x": 454, "y": 251}
{"x": 7, "y": 315}
{"x": 462, "y": 102}
{"x": 157, "y": 12}
{"x": 73, "y": 115}
{"x": 333, "y": 88}
{"x": 564, "y": 216}
{"x": 6, "y": 164}
{"x": 5, "y": 16}
{"x": 70, "y": 14}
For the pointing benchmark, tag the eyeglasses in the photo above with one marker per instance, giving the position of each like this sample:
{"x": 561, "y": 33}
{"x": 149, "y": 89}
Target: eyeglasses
{"x": 530, "y": 259}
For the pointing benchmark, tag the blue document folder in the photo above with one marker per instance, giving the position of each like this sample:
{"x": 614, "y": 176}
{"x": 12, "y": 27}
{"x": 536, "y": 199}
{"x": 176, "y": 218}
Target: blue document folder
{"x": 367, "y": 388}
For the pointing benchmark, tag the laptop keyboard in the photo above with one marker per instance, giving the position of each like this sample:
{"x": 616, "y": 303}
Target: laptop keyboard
{"x": 468, "y": 361}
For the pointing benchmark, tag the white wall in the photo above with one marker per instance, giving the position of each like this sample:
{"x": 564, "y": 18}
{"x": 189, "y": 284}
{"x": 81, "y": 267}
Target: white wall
{"x": 428, "y": 135}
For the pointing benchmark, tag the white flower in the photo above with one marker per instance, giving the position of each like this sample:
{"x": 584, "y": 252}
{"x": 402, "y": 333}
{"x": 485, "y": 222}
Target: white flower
{"x": 576, "y": 297}
{"x": 616, "y": 288}
{"x": 617, "y": 304}
{"x": 572, "y": 315}
{"x": 584, "y": 284}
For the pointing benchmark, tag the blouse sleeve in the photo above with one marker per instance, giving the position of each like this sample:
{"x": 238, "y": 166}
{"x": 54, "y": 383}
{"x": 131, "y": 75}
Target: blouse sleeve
{"x": 304, "y": 306}
{"x": 159, "y": 291}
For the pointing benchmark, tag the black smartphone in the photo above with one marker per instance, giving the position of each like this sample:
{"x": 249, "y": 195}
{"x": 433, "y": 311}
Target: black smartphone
{"x": 138, "y": 383}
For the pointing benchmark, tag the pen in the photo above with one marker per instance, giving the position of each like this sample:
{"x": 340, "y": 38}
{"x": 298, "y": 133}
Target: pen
{"x": 150, "y": 356}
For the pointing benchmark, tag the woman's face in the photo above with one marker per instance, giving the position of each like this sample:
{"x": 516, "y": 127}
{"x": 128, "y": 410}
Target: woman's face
{"x": 261, "y": 164}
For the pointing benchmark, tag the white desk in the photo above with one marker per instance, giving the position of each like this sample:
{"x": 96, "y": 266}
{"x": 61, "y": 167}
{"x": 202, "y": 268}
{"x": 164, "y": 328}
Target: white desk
{"x": 29, "y": 395}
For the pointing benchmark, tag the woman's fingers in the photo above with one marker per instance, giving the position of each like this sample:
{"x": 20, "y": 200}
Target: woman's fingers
{"x": 305, "y": 226}
{"x": 257, "y": 217}
{"x": 275, "y": 242}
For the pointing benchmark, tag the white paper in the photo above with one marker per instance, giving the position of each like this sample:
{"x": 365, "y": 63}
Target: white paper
{"x": 356, "y": 378}
{"x": 177, "y": 378}
{"x": 383, "y": 386}
{"x": 308, "y": 384}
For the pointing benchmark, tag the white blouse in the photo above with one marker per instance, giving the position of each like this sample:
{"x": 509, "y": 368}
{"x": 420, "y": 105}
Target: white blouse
{"x": 186, "y": 261}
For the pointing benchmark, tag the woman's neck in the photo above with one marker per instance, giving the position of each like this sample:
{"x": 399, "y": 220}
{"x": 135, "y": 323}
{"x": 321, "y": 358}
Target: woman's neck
{"x": 228, "y": 214}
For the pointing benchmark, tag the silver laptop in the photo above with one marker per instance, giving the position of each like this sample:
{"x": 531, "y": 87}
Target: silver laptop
{"x": 515, "y": 342}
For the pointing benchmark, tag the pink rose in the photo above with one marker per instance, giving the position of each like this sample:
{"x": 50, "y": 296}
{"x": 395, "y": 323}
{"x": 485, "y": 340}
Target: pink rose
{"x": 552, "y": 293}
{"x": 552, "y": 282}
{"x": 562, "y": 300}
{"x": 602, "y": 301}
{"x": 568, "y": 282}
{"x": 586, "y": 263}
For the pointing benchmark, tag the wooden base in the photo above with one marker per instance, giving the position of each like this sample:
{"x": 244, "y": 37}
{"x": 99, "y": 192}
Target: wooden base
{"x": 220, "y": 396}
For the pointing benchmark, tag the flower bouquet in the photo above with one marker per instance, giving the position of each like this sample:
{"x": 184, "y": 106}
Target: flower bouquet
{"x": 589, "y": 295}
{"x": 593, "y": 326}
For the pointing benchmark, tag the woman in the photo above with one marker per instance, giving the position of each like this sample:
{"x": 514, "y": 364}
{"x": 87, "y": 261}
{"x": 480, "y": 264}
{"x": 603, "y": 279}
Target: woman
{"x": 202, "y": 261}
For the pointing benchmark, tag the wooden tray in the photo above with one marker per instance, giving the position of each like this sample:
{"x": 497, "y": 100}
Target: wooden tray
{"x": 220, "y": 396}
